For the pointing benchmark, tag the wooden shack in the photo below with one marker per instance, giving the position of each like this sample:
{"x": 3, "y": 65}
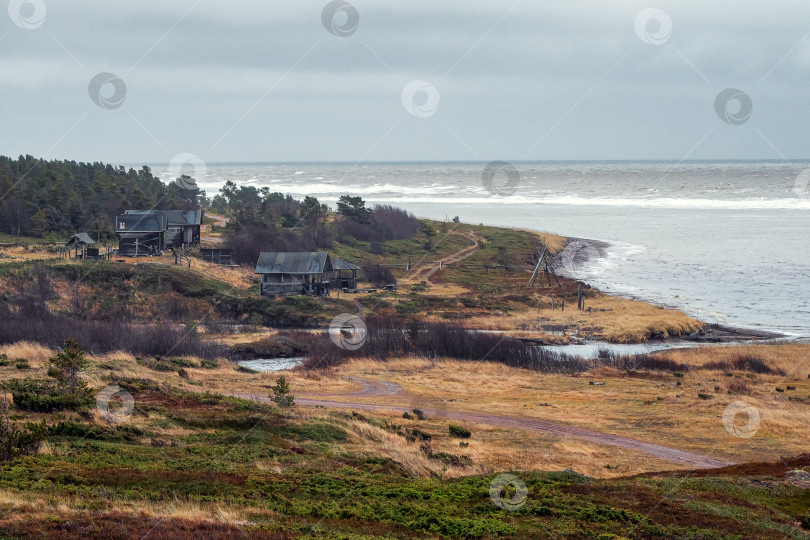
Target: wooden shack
{"x": 81, "y": 245}
{"x": 291, "y": 273}
{"x": 141, "y": 233}
{"x": 344, "y": 275}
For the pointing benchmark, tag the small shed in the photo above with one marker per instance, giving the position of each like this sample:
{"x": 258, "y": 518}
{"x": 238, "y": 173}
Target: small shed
{"x": 80, "y": 244}
{"x": 292, "y": 273}
{"x": 344, "y": 275}
{"x": 217, "y": 256}
{"x": 141, "y": 233}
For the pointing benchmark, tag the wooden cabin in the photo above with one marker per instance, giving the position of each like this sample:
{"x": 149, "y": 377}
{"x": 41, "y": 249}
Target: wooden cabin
{"x": 182, "y": 226}
{"x": 290, "y": 273}
{"x": 344, "y": 275}
{"x": 141, "y": 233}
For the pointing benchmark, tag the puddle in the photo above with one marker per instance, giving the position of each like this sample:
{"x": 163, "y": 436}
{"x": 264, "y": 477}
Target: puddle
{"x": 591, "y": 350}
{"x": 272, "y": 364}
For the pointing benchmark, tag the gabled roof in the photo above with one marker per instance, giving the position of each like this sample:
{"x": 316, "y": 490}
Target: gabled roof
{"x": 175, "y": 218}
{"x": 80, "y": 238}
{"x": 343, "y": 264}
{"x": 308, "y": 262}
{"x": 184, "y": 217}
{"x": 152, "y": 221}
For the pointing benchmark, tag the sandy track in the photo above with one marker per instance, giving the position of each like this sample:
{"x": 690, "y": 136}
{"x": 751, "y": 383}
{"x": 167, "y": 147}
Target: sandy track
{"x": 424, "y": 273}
{"x": 372, "y": 389}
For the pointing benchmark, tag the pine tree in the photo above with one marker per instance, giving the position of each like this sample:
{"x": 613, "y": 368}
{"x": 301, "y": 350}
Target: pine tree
{"x": 66, "y": 366}
{"x": 281, "y": 393}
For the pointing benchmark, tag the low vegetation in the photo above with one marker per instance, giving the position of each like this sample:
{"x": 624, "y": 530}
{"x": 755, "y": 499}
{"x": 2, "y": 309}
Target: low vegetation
{"x": 190, "y": 465}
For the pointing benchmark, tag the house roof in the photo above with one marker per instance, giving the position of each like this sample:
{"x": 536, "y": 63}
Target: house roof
{"x": 184, "y": 217}
{"x": 174, "y": 217}
{"x": 80, "y": 238}
{"x": 154, "y": 221}
{"x": 307, "y": 262}
{"x": 343, "y": 264}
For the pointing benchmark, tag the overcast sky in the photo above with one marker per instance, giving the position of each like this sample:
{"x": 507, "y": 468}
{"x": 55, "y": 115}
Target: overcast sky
{"x": 267, "y": 81}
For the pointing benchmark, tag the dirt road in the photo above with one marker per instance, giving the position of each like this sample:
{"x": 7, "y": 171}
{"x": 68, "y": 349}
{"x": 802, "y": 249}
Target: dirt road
{"x": 370, "y": 388}
{"x": 425, "y": 272}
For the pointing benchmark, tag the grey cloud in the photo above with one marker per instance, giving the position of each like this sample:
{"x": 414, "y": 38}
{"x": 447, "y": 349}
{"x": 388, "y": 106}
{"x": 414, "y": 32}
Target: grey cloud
{"x": 574, "y": 73}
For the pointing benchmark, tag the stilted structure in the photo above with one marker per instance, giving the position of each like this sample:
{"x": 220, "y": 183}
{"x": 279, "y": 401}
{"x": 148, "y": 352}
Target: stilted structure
{"x": 543, "y": 269}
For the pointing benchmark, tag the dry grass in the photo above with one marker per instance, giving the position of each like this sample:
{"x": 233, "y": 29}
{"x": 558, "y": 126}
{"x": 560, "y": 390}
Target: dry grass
{"x": 793, "y": 359}
{"x": 27, "y": 506}
{"x": 493, "y": 450}
{"x": 651, "y": 407}
{"x": 611, "y": 318}
{"x": 36, "y": 354}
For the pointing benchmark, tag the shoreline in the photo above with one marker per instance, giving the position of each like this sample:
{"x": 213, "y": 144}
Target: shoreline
{"x": 588, "y": 249}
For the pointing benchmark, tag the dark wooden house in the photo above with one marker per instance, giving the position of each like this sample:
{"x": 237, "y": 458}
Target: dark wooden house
{"x": 344, "y": 275}
{"x": 288, "y": 273}
{"x": 182, "y": 226}
{"x": 141, "y": 234}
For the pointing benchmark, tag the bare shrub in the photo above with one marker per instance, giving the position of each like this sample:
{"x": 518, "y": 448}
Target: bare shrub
{"x": 377, "y": 275}
{"x": 394, "y": 223}
{"x": 745, "y": 362}
{"x": 101, "y": 337}
{"x": 738, "y": 387}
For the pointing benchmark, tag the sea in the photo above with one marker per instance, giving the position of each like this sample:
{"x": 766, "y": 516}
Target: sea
{"x": 727, "y": 242}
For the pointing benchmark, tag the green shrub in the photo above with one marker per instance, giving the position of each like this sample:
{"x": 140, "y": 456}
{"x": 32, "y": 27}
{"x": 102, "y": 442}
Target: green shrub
{"x": 244, "y": 369}
{"x": 459, "y": 432}
{"x": 209, "y": 364}
{"x": 42, "y": 397}
{"x": 22, "y": 363}
{"x": 16, "y": 441}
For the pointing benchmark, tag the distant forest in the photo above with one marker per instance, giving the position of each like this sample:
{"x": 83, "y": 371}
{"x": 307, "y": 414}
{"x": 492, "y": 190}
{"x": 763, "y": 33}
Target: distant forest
{"x": 55, "y": 199}
{"x": 58, "y": 198}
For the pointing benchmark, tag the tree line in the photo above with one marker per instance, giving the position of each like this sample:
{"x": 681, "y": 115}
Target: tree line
{"x": 55, "y": 199}
{"x": 59, "y": 198}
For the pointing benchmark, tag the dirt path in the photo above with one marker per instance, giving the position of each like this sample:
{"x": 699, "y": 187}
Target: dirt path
{"x": 424, "y": 273}
{"x": 220, "y": 221}
{"x": 370, "y": 388}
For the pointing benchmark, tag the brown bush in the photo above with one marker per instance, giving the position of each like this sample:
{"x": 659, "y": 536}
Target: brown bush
{"x": 738, "y": 387}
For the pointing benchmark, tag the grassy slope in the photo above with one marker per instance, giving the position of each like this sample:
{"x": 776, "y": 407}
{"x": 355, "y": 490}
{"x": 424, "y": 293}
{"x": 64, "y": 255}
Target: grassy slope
{"x": 189, "y": 465}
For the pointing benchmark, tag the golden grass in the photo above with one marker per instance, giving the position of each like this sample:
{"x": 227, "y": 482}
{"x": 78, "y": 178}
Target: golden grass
{"x": 27, "y": 506}
{"x": 611, "y": 318}
{"x": 651, "y": 408}
{"x": 794, "y": 359}
{"x": 36, "y": 354}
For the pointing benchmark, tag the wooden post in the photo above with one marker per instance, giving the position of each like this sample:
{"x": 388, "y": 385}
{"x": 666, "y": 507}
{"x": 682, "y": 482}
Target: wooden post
{"x": 579, "y": 297}
{"x": 552, "y": 303}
